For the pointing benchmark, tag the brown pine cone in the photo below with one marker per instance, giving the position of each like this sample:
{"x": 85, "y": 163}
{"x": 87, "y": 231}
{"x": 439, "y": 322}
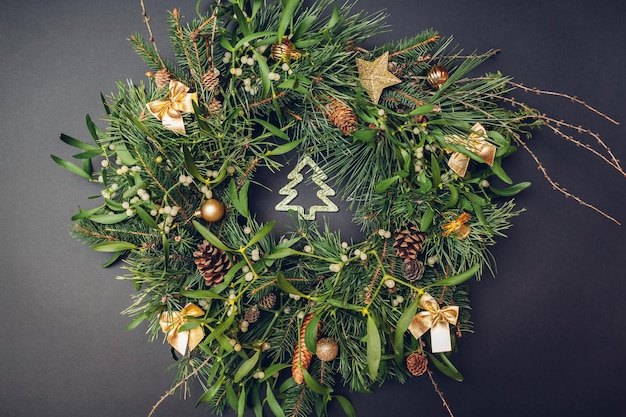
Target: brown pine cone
{"x": 408, "y": 242}
{"x": 212, "y": 262}
{"x": 342, "y": 116}
{"x": 302, "y": 355}
{"x": 413, "y": 270}
{"x": 268, "y": 301}
{"x": 417, "y": 363}
{"x": 214, "y": 107}
{"x": 252, "y": 314}
{"x": 162, "y": 78}
{"x": 210, "y": 81}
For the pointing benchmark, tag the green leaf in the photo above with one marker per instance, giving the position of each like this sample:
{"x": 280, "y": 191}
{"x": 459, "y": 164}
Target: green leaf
{"x": 426, "y": 108}
{"x": 261, "y": 233}
{"x": 113, "y": 246}
{"x": 454, "y": 197}
{"x": 314, "y": 385}
{"x": 457, "y": 279}
{"x": 265, "y": 73}
{"x": 282, "y": 253}
{"x": 241, "y": 404}
{"x": 136, "y": 322}
{"x": 286, "y": 286}
{"x": 85, "y": 214}
{"x": 272, "y": 369}
{"x": 201, "y": 294}
{"x": 75, "y": 169}
{"x": 451, "y": 372}
{"x": 255, "y": 398}
{"x": 274, "y": 130}
{"x": 114, "y": 257}
{"x": 79, "y": 144}
{"x": 272, "y": 402}
{"x": 190, "y": 165}
{"x": 225, "y": 44}
{"x": 122, "y": 152}
{"x": 373, "y": 347}
{"x": 401, "y": 326}
{"x": 303, "y": 26}
{"x": 510, "y": 191}
{"x": 496, "y": 168}
{"x": 210, "y": 237}
{"x": 334, "y": 18}
{"x": 209, "y": 394}
{"x": 146, "y": 217}
{"x": 188, "y": 326}
{"x": 435, "y": 170}
{"x": 108, "y": 218}
{"x": 284, "y": 148}
{"x": 289, "y": 9}
{"x": 427, "y": 218}
{"x": 364, "y": 135}
{"x": 383, "y": 185}
{"x": 247, "y": 366}
{"x": 310, "y": 334}
{"x": 93, "y": 130}
{"x": 87, "y": 154}
{"x": 346, "y": 405}
{"x": 271, "y": 35}
{"x": 220, "y": 329}
{"x": 231, "y": 397}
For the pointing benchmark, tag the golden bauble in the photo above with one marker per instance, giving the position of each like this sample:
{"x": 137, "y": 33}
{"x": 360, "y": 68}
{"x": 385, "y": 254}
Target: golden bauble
{"x": 437, "y": 76}
{"x": 212, "y": 210}
{"x": 326, "y": 349}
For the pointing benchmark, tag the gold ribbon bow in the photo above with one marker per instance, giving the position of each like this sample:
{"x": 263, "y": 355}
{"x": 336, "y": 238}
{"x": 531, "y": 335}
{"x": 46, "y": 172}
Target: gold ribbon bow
{"x": 475, "y": 142}
{"x": 437, "y": 320}
{"x": 172, "y": 321}
{"x": 169, "y": 111}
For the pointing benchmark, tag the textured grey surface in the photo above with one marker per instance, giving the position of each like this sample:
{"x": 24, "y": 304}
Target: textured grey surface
{"x": 549, "y": 336}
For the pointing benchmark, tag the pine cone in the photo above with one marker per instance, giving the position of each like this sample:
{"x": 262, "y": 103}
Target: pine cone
{"x": 302, "y": 355}
{"x": 417, "y": 363}
{"x": 268, "y": 301}
{"x": 212, "y": 262}
{"x": 210, "y": 81}
{"x": 214, "y": 107}
{"x": 396, "y": 69}
{"x": 409, "y": 242}
{"x": 162, "y": 78}
{"x": 342, "y": 116}
{"x": 252, "y": 314}
{"x": 413, "y": 269}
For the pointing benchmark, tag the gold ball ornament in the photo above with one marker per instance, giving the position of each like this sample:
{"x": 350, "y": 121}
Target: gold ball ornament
{"x": 212, "y": 210}
{"x": 326, "y": 349}
{"x": 437, "y": 76}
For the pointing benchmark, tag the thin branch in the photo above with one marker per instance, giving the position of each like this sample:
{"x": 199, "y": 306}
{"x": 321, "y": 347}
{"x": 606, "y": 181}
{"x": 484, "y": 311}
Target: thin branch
{"x": 438, "y": 391}
{"x": 146, "y": 20}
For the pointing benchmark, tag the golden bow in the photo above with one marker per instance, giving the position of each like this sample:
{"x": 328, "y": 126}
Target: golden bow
{"x": 172, "y": 321}
{"x": 475, "y": 142}
{"x": 170, "y": 110}
{"x": 437, "y": 320}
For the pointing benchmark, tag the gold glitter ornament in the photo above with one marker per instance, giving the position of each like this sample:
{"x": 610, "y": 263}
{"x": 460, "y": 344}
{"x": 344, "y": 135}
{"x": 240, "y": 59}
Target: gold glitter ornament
{"x": 285, "y": 51}
{"x": 437, "y": 76}
{"x": 326, "y": 349}
{"x": 375, "y": 76}
{"x": 212, "y": 210}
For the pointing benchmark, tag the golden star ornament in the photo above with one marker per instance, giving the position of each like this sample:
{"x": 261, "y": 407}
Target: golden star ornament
{"x": 375, "y": 76}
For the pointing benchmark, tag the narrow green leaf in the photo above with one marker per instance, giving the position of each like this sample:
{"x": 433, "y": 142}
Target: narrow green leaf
{"x": 209, "y": 394}
{"x": 282, "y": 253}
{"x": 166, "y": 250}
{"x": 255, "y": 397}
{"x": 265, "y": 73}
{"x": 220, "y": 329}
{"x": 188, "y": 326}
{"x": 310, "y": 334}
{"x": 510, "y": 191}
{"x": 497, "y": 169}
{"x": 427, "y": 219}
{"x": 365, "y": 135}
{"x": 190, "y": 165}
{"x": 136, "y": 322}
{"x": 125, "y": 156}
{"x": 79, "y": 144}
{"x": 272, "y": 369}
{"x": 286, "y": 286}
{"x": 314, "y": 385}
{"x": 256, "y": 35}
{"x": 284, "y": 148}
{"x": 93, "y": 130}
{"x": 346, "y": 405}
{"x": 225, "y": 44}
{"x": 245, "y": 368}
{"x": 289, "y": 9}
{"x": 87, "y": 154}
{"x": 334, "y": 18}
{"x": 401, "y": 326}
{"x": 231, "y": 397}
{"x": 383, "y": 185}
{"x": 243, "y": 200}
{"x": 435, "y": 170}
{"x": 146, "y": 217}
{"x": 373, "y": 347}
{"x": 241, "y": 404}
{"x": 108, "y": 218}
{"x": 114, "y": 257}
{"x": 75, "y": 169}
{"x": 457, "y": 279}
{"x": 450, "y": 372}
{"x": 210, "y": 237}
{"x": 303, "y": 26}
{"x": 113, "y": 246}
{"x": 201, "y": 294}
{"x": 426, "y": 108}
{"x": 272, "y": 402}
{"x": 454, "y": 197}
{"x": 85, "y": 214}
{"x": 261, "y": 233}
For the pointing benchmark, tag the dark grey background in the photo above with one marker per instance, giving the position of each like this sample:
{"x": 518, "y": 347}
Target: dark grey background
{"x": 549, "y": 334}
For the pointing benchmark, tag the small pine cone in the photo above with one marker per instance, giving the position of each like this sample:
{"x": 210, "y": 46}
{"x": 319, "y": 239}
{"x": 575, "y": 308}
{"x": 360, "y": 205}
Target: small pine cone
{"x": 162, "y": 78}
{"x": 342, "y": 116}
{"x": 212, "y": 262}
{"x": 409, "y": 242}
{"x": 396, "y": 69}
{"x": 214, "y": 107}
{"x": 268, "y": 301}
{"x": 302, "y": 355}
{"x": 252, "y": 314}
{"x": 417, "y": 363}
{"x": 413, "y": 270}
{"x": 210, "y": 81}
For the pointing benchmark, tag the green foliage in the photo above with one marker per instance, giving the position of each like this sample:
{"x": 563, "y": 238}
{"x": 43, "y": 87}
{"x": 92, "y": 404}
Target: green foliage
{"x": 393, "y": 170}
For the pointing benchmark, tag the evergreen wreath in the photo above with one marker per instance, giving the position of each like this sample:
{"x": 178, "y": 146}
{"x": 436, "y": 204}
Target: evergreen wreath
{"x": 413, "y": 141}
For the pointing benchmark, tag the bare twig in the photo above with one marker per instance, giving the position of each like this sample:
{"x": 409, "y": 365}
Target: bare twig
{"x": 146, "y": 20}
{"x": 438, "y": 391}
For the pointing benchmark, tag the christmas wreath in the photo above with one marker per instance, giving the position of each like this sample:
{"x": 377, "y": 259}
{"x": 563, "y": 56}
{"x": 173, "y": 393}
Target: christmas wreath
{"x": 406, "y": 132}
